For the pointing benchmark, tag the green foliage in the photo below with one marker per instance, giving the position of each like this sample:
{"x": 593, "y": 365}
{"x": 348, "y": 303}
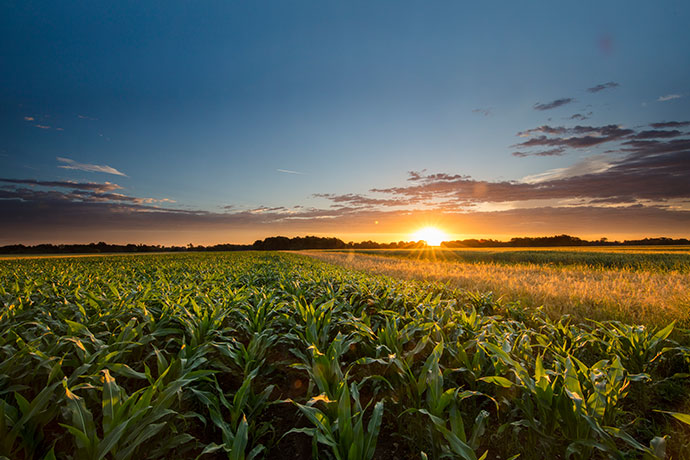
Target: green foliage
{"x": 193, "y": 355}
{"x": 343, "y": 429}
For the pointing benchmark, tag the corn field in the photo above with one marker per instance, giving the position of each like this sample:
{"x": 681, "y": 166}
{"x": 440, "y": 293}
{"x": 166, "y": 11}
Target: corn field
{"x": 278, "y": 356}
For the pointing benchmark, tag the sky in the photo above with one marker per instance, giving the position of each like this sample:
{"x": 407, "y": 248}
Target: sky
{"x": 224, "y": 121}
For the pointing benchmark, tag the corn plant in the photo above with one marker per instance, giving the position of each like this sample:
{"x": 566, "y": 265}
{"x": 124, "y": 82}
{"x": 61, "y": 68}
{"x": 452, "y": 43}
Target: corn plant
{"x": 325, "y": 368}
{"x": 344, "y": 431}
{"x": 184, "y": 355}
{"x": 637, "y": 346}
{"x": 127, "y": 422}
{"x": 240, "y": 425}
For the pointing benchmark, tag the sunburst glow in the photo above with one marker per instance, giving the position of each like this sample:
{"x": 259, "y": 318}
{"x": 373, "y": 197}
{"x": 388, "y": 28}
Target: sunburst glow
{"x": 432, "y": 235}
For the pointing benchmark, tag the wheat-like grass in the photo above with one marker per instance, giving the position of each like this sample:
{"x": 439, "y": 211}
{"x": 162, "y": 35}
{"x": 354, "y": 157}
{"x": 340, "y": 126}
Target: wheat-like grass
{"x": 649, "y": 297}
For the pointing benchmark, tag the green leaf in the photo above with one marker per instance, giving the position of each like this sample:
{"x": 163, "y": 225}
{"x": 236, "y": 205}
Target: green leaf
{"x": 111, "y": 399}
{"x": 663, "y": 334}
{"x": 497, "y": 380}
{"x": 240, "y": 441}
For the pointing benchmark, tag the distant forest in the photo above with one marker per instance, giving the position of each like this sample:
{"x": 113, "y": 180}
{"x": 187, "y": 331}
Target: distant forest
{"x": 277, "y": 243}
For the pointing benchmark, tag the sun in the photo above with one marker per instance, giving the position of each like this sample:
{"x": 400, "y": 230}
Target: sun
{"x": 432, "y": 235}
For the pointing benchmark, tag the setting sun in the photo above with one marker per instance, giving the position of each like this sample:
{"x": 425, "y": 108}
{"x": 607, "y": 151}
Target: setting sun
{"x": 432, "y": 235}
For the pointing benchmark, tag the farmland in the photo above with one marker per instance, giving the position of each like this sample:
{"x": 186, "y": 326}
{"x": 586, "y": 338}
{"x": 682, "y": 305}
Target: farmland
{"x": 269, "y": 355}
{"x": 647, "y": 285}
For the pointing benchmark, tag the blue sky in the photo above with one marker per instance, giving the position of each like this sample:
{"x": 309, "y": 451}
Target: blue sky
{"x": 215, "y": 113}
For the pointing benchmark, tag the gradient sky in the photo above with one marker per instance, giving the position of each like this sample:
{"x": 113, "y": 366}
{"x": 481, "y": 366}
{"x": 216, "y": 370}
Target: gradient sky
{"x": 221, "y": 121}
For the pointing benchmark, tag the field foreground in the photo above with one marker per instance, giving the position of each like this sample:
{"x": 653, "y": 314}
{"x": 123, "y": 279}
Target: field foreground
{"x": 257, "y": 355}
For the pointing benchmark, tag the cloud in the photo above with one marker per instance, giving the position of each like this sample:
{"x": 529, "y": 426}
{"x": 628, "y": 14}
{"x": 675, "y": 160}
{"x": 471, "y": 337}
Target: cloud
{"x": 577, "y": 137}
{"x": 42, "y": 126}
{"x": 357, "y": 200}
{"x": 83, "y": 222}
{"x": 642, "y": 174}
{"x": 592, "y": 165}
{"x": 670, "y": 124}
{"x": 483, "y": 111}
{"x": 71, "y": 164}
{"x": 544, "y": 129}
{"x": 553, "y": 104}
{"x": 90, "y": 186}
{"x": 656, "y": 170}
{"x": 657, "y": 134}
{"x": 669, "y": 97}
{"x": 268, "y": 209}
{"x": 81, "y": 192}
{"x": 544, "y": 153}
{"x": 603, "y": 86}
{"x": 644, "y": 148}
{"x": 579, "y": 116}
{"x": 289, "y": 171}
{"x": 29, "y": 118}
{"x": 85, "y": 117}
{"x": 557, "y": 139}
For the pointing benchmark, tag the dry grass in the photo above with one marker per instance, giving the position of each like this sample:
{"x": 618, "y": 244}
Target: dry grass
{"x": 649, "y": 297}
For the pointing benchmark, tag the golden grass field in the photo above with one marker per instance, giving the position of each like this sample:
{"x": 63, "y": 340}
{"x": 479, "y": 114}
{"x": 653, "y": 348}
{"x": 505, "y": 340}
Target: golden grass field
{"x": 648, "y": 295}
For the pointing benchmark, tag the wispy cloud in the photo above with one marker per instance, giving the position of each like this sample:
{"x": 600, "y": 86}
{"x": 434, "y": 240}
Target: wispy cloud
{"x": 669, "y": 97}
{"x": 670, "y": 124}
{"x": 483, "y": 111}
{"x": 544, "y": 153}
{"x": 90, "y": 186}
{"x": 29, "y": 118}
{"x": 71, "y": 164}
{"x": 42, "y": 126}
{"x": 85, "y": 117}
{"x": 603, "y": 86}
{"x": 593, "y": 165}
{"x": 290, "y": 171}
{"x": 553, "y": 104}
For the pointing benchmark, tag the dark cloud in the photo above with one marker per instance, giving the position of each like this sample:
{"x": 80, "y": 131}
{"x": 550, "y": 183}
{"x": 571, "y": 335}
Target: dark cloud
{"x": 544, "y": 129}
{"x": 544, "y": 153}
{"x": 652, "y": 147}
{"x": 670, "y": 124}
{"x": 357, "y": 200}
{"x": 579, "y": 116}
{"x": 33, "y": 194}
{"x": 559, "y": 138}
{"x": 603, "y": 86}
{"x": 92, "y": 186}
{"x": 649, "y": 170}
{"x": 553, "y": 104}
{"x": 657, "y": 134}
{"x": 577, "y": 137}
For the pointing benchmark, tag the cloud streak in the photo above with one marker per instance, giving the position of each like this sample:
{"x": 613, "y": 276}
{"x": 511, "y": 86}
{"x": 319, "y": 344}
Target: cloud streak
{"x": 669, "y": 97}
{"x": 90, "y": 186}
{"x": 553, "y": 104}
{"x": 670, "y": 124}
{"x": 603, "y": 86}
{"x": 482, "y": 111}
{"x": 71, "y": 164}
{"x": 290, "y": 171}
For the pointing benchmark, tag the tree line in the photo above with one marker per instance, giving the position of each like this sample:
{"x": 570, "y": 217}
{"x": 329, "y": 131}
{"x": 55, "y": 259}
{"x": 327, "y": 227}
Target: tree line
{"x": 282, "y": 243}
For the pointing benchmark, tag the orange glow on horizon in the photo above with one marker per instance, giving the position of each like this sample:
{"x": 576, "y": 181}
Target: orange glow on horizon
{"x": 432, "y": 235}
